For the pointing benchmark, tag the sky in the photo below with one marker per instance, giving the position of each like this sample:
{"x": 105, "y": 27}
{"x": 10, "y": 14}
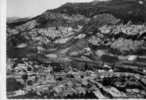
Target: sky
{"x": 31, "y": 8}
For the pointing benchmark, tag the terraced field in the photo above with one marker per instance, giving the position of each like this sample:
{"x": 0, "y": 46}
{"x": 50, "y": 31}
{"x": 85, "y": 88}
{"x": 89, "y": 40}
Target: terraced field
{"x": 58, "y": 55}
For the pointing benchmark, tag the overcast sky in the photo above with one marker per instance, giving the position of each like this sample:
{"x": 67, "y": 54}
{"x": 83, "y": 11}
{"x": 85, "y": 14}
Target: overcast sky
{"x": 30, "y": 8}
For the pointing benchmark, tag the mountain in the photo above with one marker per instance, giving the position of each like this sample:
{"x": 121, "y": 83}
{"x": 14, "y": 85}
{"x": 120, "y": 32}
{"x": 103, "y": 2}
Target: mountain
{"x": 95, "y": 49}
{"x": 56, "y": 27}
{"x": 134, "y": 10}
{"x": 12, "y": 21}
{"x": 81, "y": 33}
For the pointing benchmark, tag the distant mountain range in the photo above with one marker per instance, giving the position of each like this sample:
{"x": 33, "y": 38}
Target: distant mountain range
{"x": 16, "y": 20}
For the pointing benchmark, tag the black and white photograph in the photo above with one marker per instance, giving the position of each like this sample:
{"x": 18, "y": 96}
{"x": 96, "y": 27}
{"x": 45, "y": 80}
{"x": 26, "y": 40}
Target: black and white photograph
{"x": 75, "y": 49}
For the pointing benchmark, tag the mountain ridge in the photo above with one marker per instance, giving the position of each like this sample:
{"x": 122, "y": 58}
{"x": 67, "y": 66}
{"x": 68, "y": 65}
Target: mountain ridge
{"x": 129, "y": 10}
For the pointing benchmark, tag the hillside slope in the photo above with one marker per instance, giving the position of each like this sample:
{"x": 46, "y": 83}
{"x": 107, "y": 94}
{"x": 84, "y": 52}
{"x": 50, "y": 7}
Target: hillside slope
{"x": 79, "y": 50}
{"x": 134, "y": 10}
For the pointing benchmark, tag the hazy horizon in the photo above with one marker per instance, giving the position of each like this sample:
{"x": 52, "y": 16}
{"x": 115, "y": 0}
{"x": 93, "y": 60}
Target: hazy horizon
{"x": 31, "y": 8}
